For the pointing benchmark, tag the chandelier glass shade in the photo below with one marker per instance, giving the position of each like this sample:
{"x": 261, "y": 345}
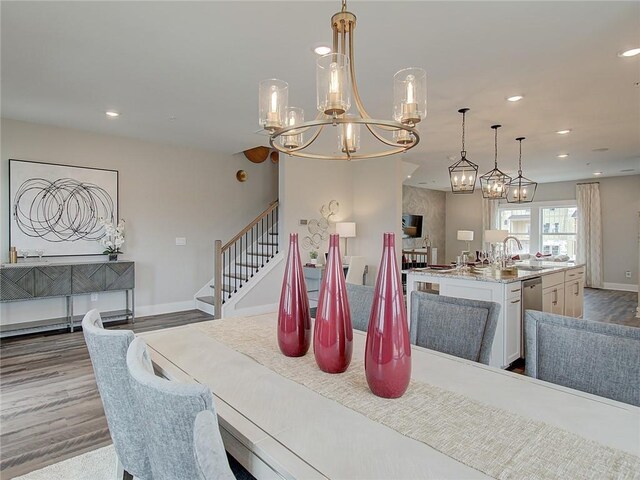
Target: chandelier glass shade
{"x": 494, "y": 183}
{"x": 521, "y": 189}
{"x": 463, "y": 174}
{"x": 341, "y": 112}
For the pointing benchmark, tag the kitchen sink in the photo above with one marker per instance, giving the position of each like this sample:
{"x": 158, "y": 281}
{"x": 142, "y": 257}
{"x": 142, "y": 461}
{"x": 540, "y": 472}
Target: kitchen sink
{"x": 530, "y": 268}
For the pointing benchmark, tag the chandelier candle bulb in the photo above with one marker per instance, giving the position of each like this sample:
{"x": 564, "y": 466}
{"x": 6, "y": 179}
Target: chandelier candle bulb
{"x": 331, "y": 77}
{"x": 293, "y": 139}
{"x": 410, "y": 100}
{"x": 273, "y": 98}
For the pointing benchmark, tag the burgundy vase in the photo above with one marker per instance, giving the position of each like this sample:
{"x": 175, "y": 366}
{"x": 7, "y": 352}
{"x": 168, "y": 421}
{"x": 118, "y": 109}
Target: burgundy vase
{"x": 333, "y": 333}
{"x": 387, "y": 360}
{"x": 294, "y": 320}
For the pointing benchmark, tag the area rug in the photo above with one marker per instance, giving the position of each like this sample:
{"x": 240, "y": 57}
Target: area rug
{"x": 97, "y": 464}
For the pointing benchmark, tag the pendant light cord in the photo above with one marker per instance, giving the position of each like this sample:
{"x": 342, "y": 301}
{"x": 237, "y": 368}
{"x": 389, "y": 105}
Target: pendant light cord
{"x": 495, "y": 158}
{"x": 463, "y": 115}
{"x": 520, "y": 159}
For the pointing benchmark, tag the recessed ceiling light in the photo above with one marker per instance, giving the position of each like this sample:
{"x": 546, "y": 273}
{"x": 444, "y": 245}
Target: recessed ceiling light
{"x": 111, "y": 113}
{"x": 597, "y": 173}
{"x": 322, "y": 49}
{"x": 564, "y": 132}
{"x": 408, "y": 176}
{"x": 515, "y": 98}
{"x": 630, "y": 53}
{"x": 563, "y": 155}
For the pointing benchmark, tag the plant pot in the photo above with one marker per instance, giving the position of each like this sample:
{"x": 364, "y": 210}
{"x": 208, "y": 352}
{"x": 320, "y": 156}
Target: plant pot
{"x": 113, "y": 257}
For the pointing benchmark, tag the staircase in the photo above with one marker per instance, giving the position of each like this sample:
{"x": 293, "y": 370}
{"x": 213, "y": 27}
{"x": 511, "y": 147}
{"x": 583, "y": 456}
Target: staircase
{"x": 240, "y": 260}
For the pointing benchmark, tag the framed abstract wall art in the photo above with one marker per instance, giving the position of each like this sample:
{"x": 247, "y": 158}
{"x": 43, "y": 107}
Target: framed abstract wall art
{"x": 55, "y": 208}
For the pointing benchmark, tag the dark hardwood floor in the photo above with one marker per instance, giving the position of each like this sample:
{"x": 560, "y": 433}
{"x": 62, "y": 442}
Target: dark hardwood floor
{"x": 50, "y": 408}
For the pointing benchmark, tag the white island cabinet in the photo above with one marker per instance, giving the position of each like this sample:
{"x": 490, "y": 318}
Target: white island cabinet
{"x": 507, "y": 292}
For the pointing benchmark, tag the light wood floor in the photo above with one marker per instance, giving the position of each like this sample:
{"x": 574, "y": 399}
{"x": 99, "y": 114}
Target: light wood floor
{"x": 50, "y": 408}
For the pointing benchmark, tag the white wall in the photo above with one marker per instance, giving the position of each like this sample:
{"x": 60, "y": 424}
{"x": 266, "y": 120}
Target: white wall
{"x": 377, "y": 194}
{"x": 369, "y": 193}
{"x": 165, "y": 192}
{"x": 620, "y": 203}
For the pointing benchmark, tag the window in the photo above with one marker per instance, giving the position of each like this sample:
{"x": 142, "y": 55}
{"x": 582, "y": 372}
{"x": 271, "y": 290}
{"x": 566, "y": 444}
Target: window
{"x": 561, "y": 240}
{"x": 518, "y": 222}
{"x": 546, "y": 227}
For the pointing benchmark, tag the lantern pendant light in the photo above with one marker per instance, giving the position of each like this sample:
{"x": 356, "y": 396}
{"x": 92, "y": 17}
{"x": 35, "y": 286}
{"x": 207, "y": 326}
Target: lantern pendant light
{"x": 521, "y": 189}
{"x": 494, "y": 183}
{"x": 463, "y": 174}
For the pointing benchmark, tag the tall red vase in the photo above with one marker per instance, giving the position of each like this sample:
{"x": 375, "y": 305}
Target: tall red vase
{"x": 387, "y": 360}
{"x": 294, "y": 319}
{"x": 333, "y": 333}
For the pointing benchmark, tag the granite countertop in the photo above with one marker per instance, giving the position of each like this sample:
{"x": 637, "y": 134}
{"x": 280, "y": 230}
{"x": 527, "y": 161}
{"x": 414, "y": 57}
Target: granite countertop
{"x": 519, "y": 275}
{"x": 56, "y": 263}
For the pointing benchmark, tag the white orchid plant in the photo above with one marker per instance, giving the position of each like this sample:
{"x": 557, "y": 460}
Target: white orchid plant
{"x": 113, "y": 237}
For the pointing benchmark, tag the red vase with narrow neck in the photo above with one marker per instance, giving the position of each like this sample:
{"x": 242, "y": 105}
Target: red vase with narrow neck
{"x": 294, "y": 320}
{"x": 333, "y": 333}
{"x": 387, "y": 360}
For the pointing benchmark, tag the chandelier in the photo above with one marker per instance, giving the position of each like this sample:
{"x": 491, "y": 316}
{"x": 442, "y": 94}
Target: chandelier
{"x": 463, "y": 173}
{"x": 494, "y": 183}
{"x": 521, "y": 189}
{"x": 336, "y": 89}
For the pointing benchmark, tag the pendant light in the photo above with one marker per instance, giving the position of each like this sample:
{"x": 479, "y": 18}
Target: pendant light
{"x": 463, "y": 173}
{"x": 521, "y": 189}
{"x": 494, "y": 183}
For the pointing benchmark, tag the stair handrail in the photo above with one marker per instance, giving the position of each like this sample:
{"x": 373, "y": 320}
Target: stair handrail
{"x": 220, "y": 251}
{"x": 272, "y": 206}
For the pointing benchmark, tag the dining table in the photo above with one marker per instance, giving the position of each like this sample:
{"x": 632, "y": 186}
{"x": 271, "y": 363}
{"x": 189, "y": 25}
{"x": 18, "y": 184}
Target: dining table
{"x": 282, "y": 417}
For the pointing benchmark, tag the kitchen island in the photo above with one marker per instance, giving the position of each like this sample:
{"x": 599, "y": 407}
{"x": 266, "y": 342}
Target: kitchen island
{"x": 562, "y": 292}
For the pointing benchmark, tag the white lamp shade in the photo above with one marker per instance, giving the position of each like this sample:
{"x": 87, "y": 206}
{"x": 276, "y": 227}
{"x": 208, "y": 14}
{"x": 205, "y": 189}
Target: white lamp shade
{"x": 495, "y": 236}
{"x": 346, "y": 229}
{"x": 465, "y": 235}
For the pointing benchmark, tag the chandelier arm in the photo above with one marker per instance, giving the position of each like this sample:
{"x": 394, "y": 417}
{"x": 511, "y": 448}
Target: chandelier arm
{"x": 302, "y": 154}
{"x": 354, "y": 83}
{"x": 313, "y": 138}
{"x": 346, "y": 146}
{"x": 381, "y": 138}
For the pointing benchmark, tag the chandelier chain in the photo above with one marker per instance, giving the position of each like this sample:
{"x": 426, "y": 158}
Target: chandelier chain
{"x": 520, "y": 159}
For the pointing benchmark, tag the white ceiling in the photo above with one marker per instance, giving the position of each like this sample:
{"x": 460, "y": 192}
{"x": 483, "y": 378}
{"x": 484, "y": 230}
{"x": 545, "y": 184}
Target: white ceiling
{"x": 65, "y": 63}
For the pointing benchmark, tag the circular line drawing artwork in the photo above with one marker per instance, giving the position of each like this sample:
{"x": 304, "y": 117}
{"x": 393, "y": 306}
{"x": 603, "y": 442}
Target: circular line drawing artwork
{"x": 319, "y": 229}
{"x": 62, "y": 210}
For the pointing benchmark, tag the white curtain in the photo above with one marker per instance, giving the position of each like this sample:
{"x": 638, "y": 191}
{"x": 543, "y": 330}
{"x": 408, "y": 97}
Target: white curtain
{"x": 489, "y": 216}
{"x": 589, "y": 237}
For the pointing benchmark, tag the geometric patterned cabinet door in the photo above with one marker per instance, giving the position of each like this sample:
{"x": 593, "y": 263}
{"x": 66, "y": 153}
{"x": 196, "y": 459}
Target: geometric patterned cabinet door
{"x": 34, "y": 282}
{"x": 99, "y": 277}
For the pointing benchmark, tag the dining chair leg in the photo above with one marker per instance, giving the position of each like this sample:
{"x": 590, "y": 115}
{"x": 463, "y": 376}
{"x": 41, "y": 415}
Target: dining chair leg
{"x": 121, "y": 473}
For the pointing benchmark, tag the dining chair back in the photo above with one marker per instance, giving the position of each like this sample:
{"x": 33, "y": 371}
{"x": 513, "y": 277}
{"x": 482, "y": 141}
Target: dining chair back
{"x": 108, "y": 353}
{"x": 360, "y": 301}
{"x": 209, "y": 450}
{"x": 355, "y": 272}
{"x": 461, "y": 327}
{"x": 593, "y": 357}
{"x": 168, "y": 410}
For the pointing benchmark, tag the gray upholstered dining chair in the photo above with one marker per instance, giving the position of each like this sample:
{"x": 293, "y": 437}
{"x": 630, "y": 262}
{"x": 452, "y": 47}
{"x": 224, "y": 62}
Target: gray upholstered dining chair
{"x": 360, "y": 301}
{"x": 458, "y": 326}
{"x": 168, "y": 410}
{"x": 108, "y": 353}
{"x": 594, "y": 357}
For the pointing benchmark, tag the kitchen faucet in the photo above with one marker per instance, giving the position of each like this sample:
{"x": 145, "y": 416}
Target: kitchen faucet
{"x": 507, "y": 258}
{"x": 504, "y": 243}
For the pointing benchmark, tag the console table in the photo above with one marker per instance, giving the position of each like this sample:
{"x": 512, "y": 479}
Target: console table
{"x": 35, "y": 281}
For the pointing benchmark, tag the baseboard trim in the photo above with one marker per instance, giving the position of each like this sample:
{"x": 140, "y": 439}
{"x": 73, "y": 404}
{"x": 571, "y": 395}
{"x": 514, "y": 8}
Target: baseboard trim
{"x": 625, "y": 287}
{"x": 257, "y": 310}
{"x": 147, "y": 310}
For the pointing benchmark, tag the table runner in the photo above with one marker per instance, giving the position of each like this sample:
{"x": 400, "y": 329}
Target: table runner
{"x": 494, "y": 441}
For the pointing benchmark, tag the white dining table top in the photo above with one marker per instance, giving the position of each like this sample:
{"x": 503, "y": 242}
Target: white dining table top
{"x": 302, "y": 434}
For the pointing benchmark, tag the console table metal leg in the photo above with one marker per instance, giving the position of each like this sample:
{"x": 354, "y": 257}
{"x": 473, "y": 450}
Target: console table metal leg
{"x": 70, "y": 310}
{"x": 133, "y": 306}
